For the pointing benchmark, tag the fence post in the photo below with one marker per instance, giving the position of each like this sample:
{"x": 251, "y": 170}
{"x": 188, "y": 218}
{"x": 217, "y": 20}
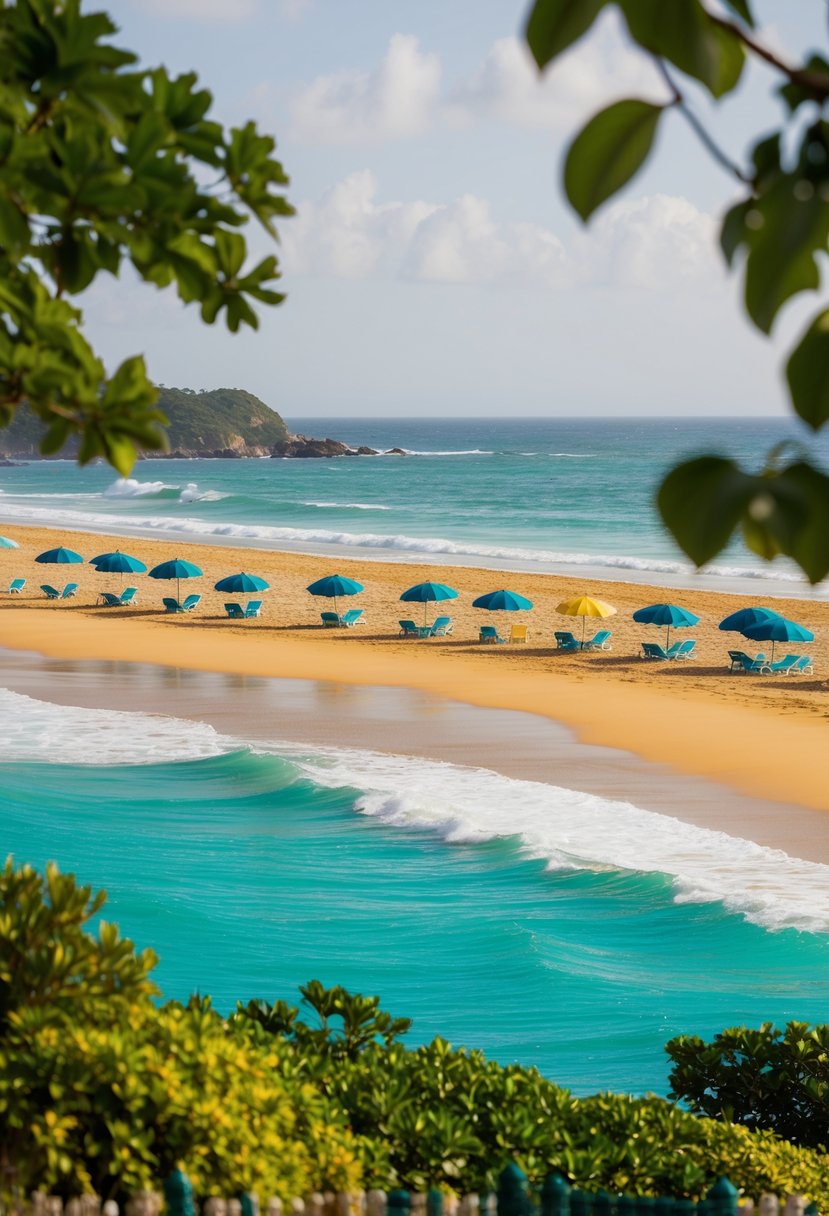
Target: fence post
{"x": 721, "y": 1200}
{"x": 512, "y": 1191}
{"x": 398, "y": 1203}
{"x": 434, "y": 1202}
{"x": 250, "y": 1204}
{"x": 555, "y": 1196}
{"x": 178, "y": 1194}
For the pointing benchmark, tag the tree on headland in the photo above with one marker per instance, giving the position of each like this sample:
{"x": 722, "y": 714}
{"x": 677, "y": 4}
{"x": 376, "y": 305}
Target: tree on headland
{"x": 104, "y": 164}
{"x": 778, "y": 228}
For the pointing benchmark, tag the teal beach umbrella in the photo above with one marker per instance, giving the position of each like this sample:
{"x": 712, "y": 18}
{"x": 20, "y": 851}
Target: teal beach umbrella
{"x": 738, "y": 621}
{"x": 670, "y": 615}
{"x": 178, "y": 569}
{"x": 503, "y": 601}
{"x": 334, "y": 585}
{"x": 777, "y": 630}
{"x": 428, "y": 593}
{"x": 5, "y": 543}
{"x": 242, "y": 584}
{"x": 117, "y": 563}
{"x": 59, "y": 557}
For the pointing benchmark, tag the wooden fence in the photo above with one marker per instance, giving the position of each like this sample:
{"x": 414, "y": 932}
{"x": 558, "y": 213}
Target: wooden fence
{"x": 514, "y": 1197}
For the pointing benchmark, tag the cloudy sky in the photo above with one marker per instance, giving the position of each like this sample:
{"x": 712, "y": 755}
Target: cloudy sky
{"x": 433, "y": 267}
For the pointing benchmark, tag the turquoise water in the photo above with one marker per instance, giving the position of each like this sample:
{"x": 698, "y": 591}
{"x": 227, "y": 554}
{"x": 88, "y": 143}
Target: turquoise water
{"x": 249, "y": 877}
{"x": 550, "y": 492}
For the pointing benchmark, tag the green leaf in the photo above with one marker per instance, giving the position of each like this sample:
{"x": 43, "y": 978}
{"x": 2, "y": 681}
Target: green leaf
{"x": 741, "y": 9}
{"x": 683, "y": 33}
{"x": 14, "y": 227}
{"x": 796, "y": 95}
{"x": 733, "y": 230}
{"x": 801, "y": 498}
{"x": 783, "y": 248}
{"x": 607, "y": 153}
{"x": 701, "y": 503}
{"x": 807, "y": 373}
{"x": 553, "y": 25}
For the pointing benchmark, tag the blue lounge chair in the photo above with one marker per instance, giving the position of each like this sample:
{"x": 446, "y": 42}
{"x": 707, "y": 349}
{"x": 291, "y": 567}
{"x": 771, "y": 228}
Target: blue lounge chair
{"x": 16, "y": 586}
{"x": 190, "y": 603}
{"x": 52, "y": 593}
{"x": 441, "y": 626}
{"x": 408, "y": 629}
{"x": 69, "y": 592}
{"x": 330, "y": 620}
{"x": 171, "y": 605}
{"x": 109, "y": 600}
{"x": 652, "y": 650}
{"x": 782, "y": 666}
{"x": 354, "y": 616}
{"x": 684, "y": 650}
{"x": 235, "y": 611}
{"x": 599, "y": 641}
{"x": 805, "y": 666}
{"x": 490, "y": 635}
{"x": 566, "y": 641}
{"x": 743, "y": 663}
{"x": 128, "y": 595}
{"x": 254, "y": 608}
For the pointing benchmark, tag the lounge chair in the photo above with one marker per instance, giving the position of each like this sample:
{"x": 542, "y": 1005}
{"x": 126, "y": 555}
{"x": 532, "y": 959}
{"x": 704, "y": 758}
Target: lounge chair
{"x": 330, "y": 620}
{"x": 69, "y": 592}
{"x": 652, "y": 650}
{"x": 16, "y": 586}
{"x": 254, "y": 608}
{"x": 490, "y": 635}
{"x": 804, "y": 667}
{"x": 442, "y": 626}
{"x": 109, "y": 600}
{"x": 742, "y": 662}
{"x": 52, "y": 593}
{"x": 599, "y": 641}
{"x": 354, "y": 616}
{"x": 566, "y": 641}
{"x": 782, "y": 666}
{"x": 684, "y": 650}
{"x": 519, "y": 633}
{"x": 408, "y": 629}
{"x": 235, "y": 611}
{"x": 128, "y": 595}
{"x": 171, "y": 605}
{"x": 190, "y": 603}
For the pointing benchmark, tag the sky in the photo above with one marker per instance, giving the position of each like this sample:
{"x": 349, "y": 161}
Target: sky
{"x": 433, "y": 267}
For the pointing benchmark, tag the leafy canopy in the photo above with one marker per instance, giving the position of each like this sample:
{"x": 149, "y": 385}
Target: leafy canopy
{"x": 102, "y": 166}
{"x": 778, "y": 230}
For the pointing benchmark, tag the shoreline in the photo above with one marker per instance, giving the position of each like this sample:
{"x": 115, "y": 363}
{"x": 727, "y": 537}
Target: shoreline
{"x": 764, "y": 736}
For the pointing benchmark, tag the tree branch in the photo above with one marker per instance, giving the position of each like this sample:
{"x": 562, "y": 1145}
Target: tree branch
{"x": 678, "y": 100}
{"x": 816, "y": 83}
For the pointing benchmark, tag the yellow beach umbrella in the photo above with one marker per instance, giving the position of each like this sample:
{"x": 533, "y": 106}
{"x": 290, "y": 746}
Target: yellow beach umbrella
{"x": 585, "y": 606}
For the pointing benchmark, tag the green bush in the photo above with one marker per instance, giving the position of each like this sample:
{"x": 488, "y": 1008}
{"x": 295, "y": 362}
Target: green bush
{"x": 100, "y": 1088}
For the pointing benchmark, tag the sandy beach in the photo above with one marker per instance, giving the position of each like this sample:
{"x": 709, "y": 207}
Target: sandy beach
{"x": 764, "y": 736}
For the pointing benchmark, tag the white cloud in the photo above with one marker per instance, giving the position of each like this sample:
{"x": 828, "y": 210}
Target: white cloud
{"x": 652, "y": 243}
{"x": 396, "y": 100}
{"x": 208, "y": 11}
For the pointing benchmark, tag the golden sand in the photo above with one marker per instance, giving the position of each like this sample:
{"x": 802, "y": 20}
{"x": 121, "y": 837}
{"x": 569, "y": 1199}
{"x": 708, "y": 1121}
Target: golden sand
{"x": 765, "y": 735}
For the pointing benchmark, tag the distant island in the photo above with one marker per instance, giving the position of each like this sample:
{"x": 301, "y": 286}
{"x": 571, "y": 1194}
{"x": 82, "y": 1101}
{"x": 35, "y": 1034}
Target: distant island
{"x": 219, "y": 423}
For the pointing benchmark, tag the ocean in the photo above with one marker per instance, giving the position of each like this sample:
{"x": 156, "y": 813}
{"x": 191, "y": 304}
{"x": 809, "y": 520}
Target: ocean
{"x": 543, "y": 924}
{"x": 564, "y": 495}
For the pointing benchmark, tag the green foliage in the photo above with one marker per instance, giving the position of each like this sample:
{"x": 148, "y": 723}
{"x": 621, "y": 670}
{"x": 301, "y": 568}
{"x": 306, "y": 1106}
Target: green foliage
{"x": 766, "y": 1078}
{"x": 101, "y": 1088}
{"x": 102, "y": 165}
{"x": 778, "y": 229}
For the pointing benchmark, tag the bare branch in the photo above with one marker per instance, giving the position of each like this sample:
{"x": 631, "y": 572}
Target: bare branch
{"x": 679, "y": 102}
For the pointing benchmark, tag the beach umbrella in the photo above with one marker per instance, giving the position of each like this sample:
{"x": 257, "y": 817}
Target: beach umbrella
{"x": 585, "y": 606}
{"x": 737, "y": 622}
{"x": 428, "y": 593}
{"x": 54, "y": 557}
{"x": 5, "y": 543}
{"x": 503, "y": 601}
{"x": 242, "y": 584}
{"x": 777, "y": 630}
{"x": 117, "y": 563}
{"x": 334, "y": 585}
{"x": 670, "y": 615}
{"x": 178, "y": 569}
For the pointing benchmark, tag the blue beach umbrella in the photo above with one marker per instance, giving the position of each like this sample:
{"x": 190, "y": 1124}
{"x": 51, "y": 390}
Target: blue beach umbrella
{"x": 428, "y": 593}
{"x": 54, "y": 557}
{"x": 117, "y": 563}
{"x": 739, "y": 620}
{"x": 242, "y": 584}
{"x": 334, "y": 585}
{"x": 777, "y": 630}
{"x": 178, "y": 569}
{"x": 5, "y": 543}
{"x": 670, "y": 615}
{"x": 503, "y": 601}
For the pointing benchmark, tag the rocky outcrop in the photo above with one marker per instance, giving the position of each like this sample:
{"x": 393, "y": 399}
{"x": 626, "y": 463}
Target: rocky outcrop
{"x": 301, "y": 447}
